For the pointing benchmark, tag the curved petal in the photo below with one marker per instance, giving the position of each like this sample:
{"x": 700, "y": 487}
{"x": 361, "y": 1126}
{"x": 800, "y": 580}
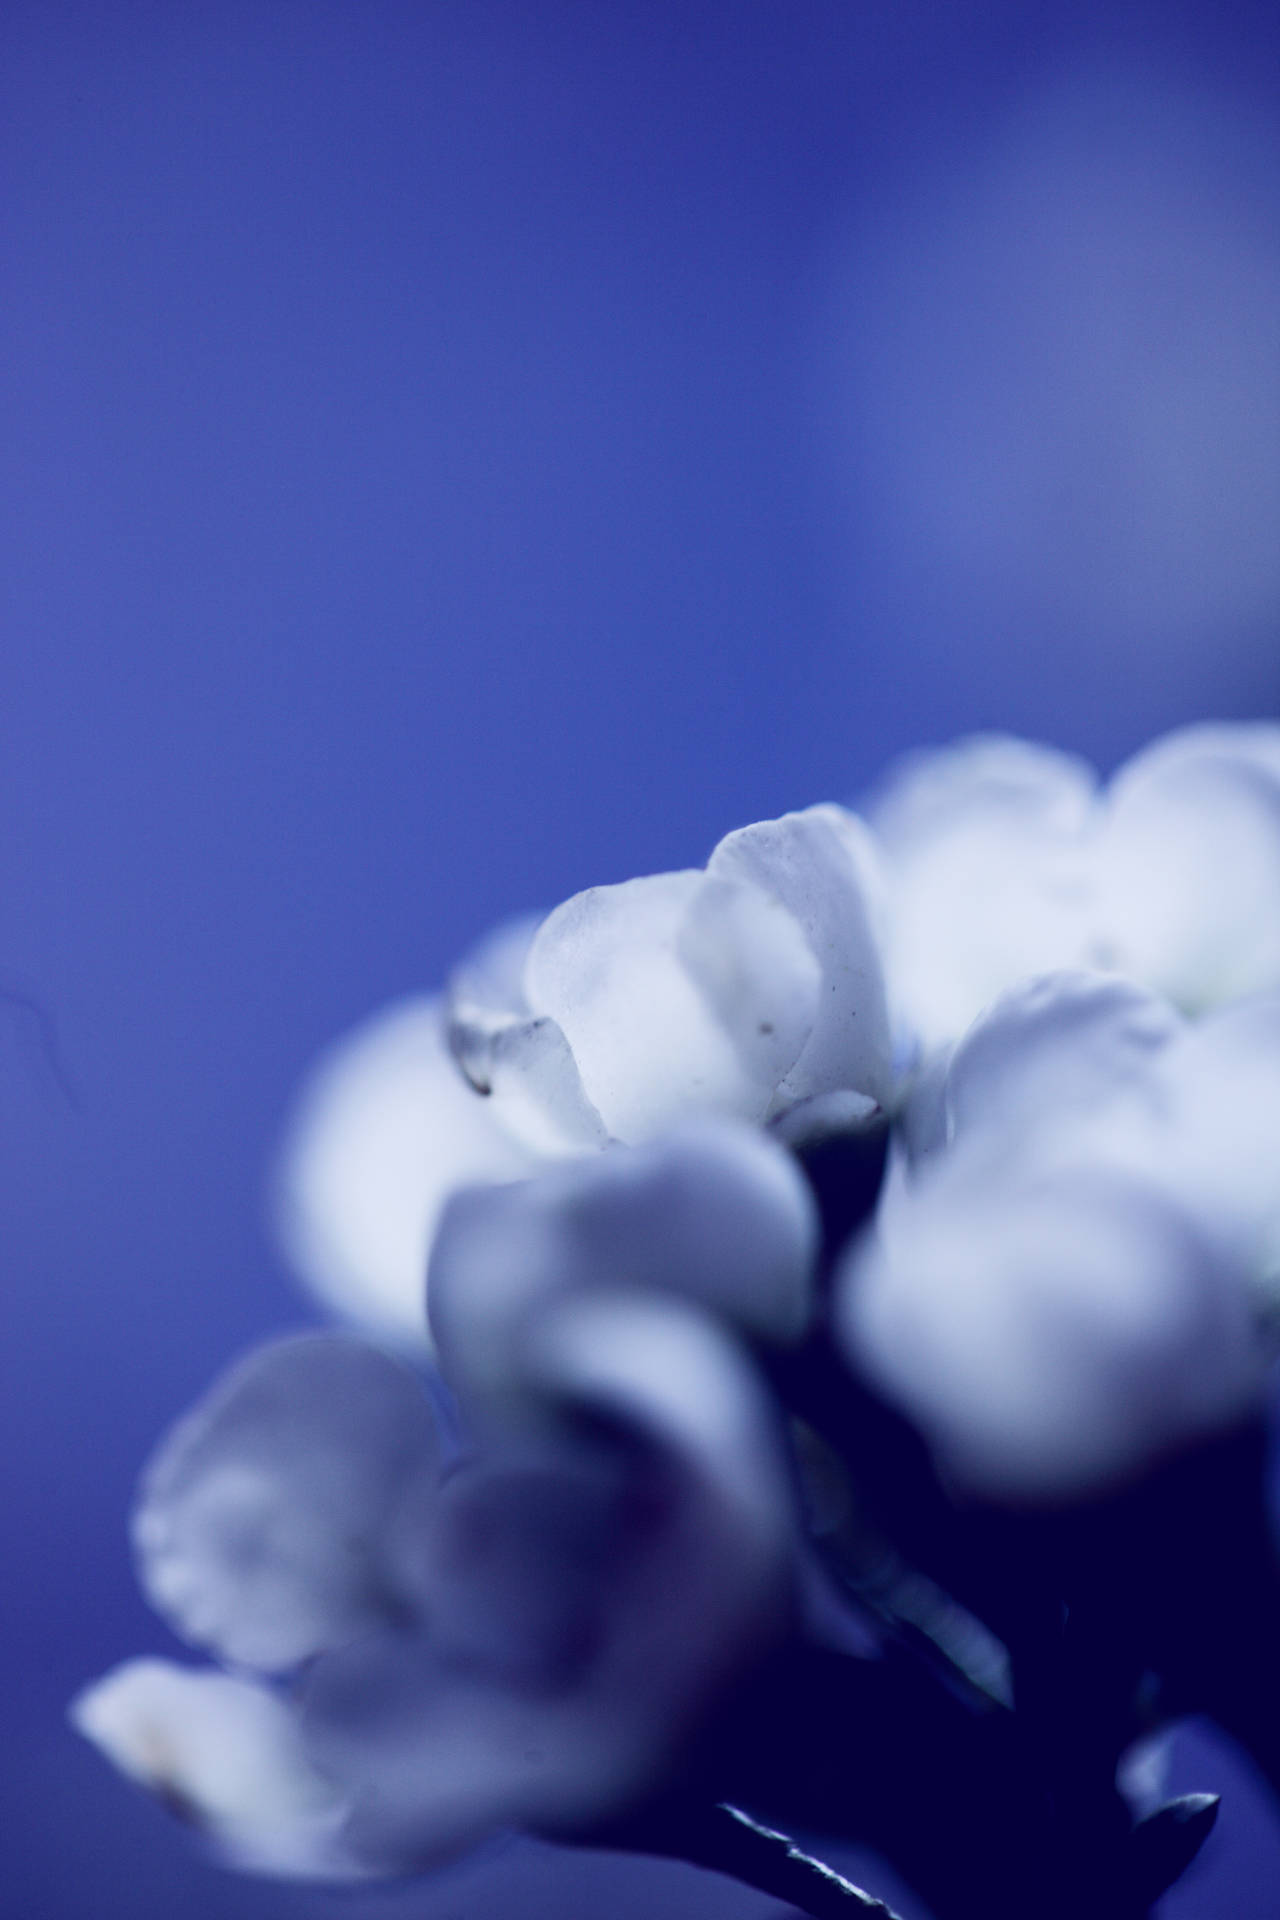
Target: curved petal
{"x": 988, "y": 877}
{"x": 1249, "y": 743}
{"x": 714, "y": 1211}
{"x": 923, "y": 1122}
{"x": 227, "y": 1756}
{"x": 992, "y": 775}
{"x": 1057, "y": 1048}
{"x": 522, "y": 1555}
{"x": 522, "y": 1060}
{"x": 485, "y": 995}
{"x": 1190, "y": 865}
{"x": 277, "y": 1518}
{"x": 435, "y": 1758}
{"x": 679, "y": 1573}
{"x": 708, "y": 1575}
{"x": 1222, "y": 1138}
{"x": 537, "y": 1092}
{"x": 1051, "y": 1336}
{"x": 607, "y": 968}
{"x": 751, "y": 961}
{"x": 821, "y": 865}
{"x": 386, "y": 1128}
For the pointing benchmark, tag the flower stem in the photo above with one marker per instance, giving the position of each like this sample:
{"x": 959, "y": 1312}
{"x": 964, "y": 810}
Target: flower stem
{"x": 725, "y": 1840}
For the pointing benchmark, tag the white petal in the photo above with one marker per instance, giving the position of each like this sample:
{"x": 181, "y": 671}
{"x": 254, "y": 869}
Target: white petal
{"x": 227, "y": 1756}
{"x": 437, "y": 1751}
{"x": 607, "y": 968}
{"x": 1253, "y": 743}
{"x": 537, "y": 1092}
{"x": 988, "y": 876}
{"x": 1222, "y": 1138}
{"x": 436, "y": 1758}
{"x": 386, "y": 1129}
{"x": 486, "y": 993}
{"x": 1051, "y": 1337}
{"x": 923, "y": 1120}
{"x": 709, "y": 1576}
{"x": 662, "y": 1368}
{"x": 1190, "y": 865}
{"x": 714, "y": 1211}
{"x": 1056, "y": 1049}
{"x": 521, "y": 1557}
{"x": 750, "y": 958}
{"x": 272, "y": 1520}
{"x": 985, "y": 774}
{"x": 522, "y": 1061}
{"x": 821, "y": 866}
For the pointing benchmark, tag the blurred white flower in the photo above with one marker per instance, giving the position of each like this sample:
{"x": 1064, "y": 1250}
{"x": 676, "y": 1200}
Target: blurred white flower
{"x": 226, "y": 1755}
{"x": 645, "y": 1131}
{"x": 1075, "y": 1261}
{"x": 526, "y": 1640}
{"x": 714, "y": 1211}
{"x": 385, "y": 1129}
{"x": 1051, "y": 1333}
{"x": 1004, "y": 860}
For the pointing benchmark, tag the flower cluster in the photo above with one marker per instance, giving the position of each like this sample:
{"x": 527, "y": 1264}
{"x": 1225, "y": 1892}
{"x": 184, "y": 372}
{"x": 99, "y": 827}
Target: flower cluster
{"x": 813, "y": 1316}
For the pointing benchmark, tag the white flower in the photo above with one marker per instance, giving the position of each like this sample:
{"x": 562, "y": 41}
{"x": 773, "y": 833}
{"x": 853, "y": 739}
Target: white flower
{"x": 227, "y": 1756}
{"x": 751, "y": 990}
{"x": 526, "y": 1640}
{"x": 1005, "y": 860}
{"x": 1072, "y": 1270}
{"x": 1051, "y": 1333}
{"x": 386, "y": 1128}
{"x": 714, "y": 1211}
{"x": 740, "y": 989}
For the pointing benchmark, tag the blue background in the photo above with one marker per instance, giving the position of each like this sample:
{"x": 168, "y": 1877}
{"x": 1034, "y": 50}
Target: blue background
{"x": 455, "y": 453}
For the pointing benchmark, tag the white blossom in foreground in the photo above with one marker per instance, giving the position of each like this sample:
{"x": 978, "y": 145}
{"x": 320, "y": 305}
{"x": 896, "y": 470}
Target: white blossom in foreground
{"x": 853, "y": 1274}
{"x": 521, "y": 1640}
{"x": 751, "y": 990}
{"x": 741, "y": 988}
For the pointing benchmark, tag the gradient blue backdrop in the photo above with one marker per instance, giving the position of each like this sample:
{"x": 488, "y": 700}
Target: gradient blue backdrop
{"x": 455, "y": 453}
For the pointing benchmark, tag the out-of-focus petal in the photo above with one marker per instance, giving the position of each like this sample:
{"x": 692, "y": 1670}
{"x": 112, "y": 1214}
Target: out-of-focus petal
{"x": 386, "y": 1128}
{"x": 714, "y": 1210}
{"x": 987, "y": 876}
{"x": 1051, "y": 1336}
{"x": 660, "y": 1367}
{"x": 1189, "y": 865}
{"x": 923, "y": 1120}
{"x": 709, "y": 1575}
{"x": 277, "y": 1517}
{"x": 1221, "y": 1140}
{"x": 665, "y": 1591}
{"x": 436, "y": 1757}
{"x": 227, "y": 1757}
{"x": 821, "y": 865}
{"x": 991, "y": 775}
{"x": 523, "y": 1556}
{"x": 1055, "y": 1049}
{"x": 607, "y": 967}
